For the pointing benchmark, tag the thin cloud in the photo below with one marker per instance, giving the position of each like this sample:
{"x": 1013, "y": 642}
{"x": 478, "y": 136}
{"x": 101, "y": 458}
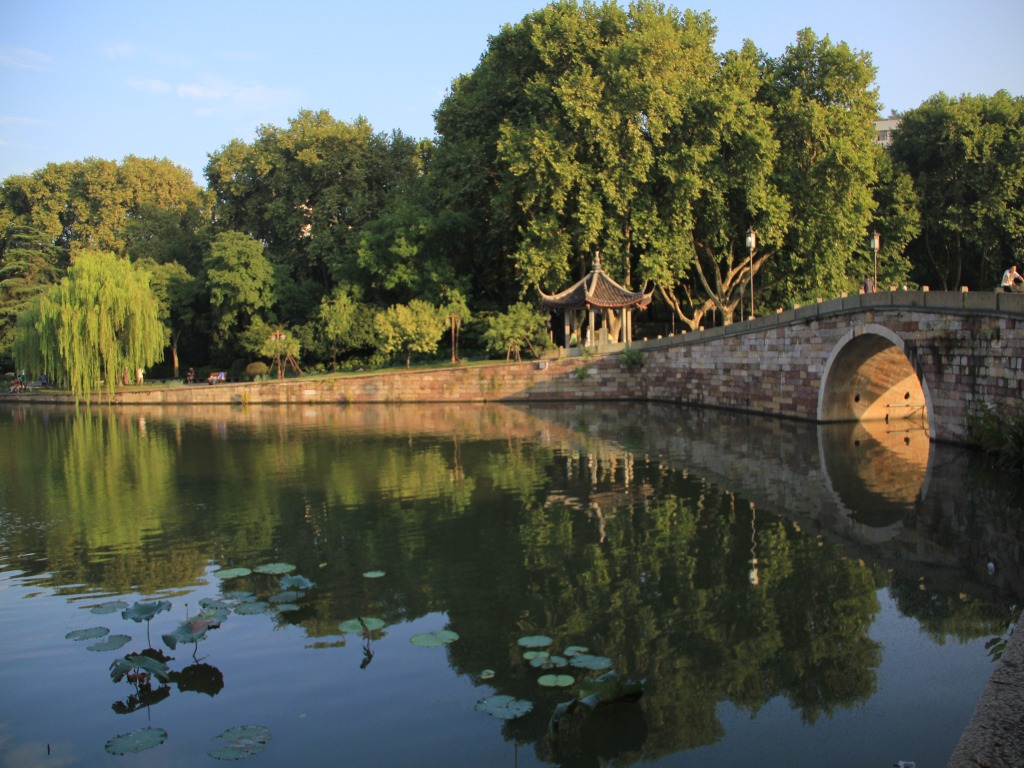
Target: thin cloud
{"x": 216, "y": 92}
{"x": 22, "y": 121}
{"x": 123, "y": 50}
{"x": 24, "y": 58}
{"x": 150, "y": 85}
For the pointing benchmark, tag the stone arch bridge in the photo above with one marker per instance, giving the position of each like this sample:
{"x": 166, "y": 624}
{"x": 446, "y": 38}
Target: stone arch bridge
{"x": 928, "y": 356}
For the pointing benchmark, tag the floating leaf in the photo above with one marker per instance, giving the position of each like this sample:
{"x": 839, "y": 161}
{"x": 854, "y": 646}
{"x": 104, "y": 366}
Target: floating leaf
{"x": 296, "y": 582}
{"x": 587, "y": 661}
{"x": 503, "y": 706}
{"x": 112, "y": 607}
{"x": 556, "y": 681}
{"x": 286, "y": 597}
{"x": 248, "y": 609}
{"x": 531, "y": 655}
{"x": 209, "y": 603}
{"x": 87, "y": 634}
{"x": 141, "y": 612}
{"x": 535, "y": 641}
{"x": 136, "y": 741}
{"x": 231, "y": 573}
{"x": 242, "y": 741}
{"x": 575, "y": 650}
{"x": 487, "y": 674}
{"x": 549, "y": 662}
{"x": 274, "y": 568}
{"x": 111, "y": 643}
{"x": 362, "y": 624}
{"x": 286, "y": 607}
{"x": 434, "y": 639}
{"x": 374, "y": 575}
{"x": 239, "y": 596}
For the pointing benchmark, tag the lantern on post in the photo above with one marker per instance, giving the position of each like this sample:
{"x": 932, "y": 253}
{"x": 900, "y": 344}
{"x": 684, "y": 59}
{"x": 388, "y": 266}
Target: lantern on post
{"x": 751, "y": 247}
{"x": 876, "y": 243}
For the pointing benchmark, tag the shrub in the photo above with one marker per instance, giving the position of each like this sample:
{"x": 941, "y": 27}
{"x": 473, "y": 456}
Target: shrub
{"x": 256, "y": 370}
{"x": 1000, "y": 433}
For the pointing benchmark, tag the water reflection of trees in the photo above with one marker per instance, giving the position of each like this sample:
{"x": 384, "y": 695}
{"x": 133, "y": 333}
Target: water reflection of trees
{"x": 658, "y": 564}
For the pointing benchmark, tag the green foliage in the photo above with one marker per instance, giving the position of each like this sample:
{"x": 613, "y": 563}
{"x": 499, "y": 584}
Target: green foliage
{"x": 633, "y": 358}
{"x": 256, "y": 370}
{"x": 1000, "y": 433}
{"x": 239, "y": 282}
{"x": 521, "y": 327}
{"x": 966, "y": 157}
{"x": 407, "y": 328}
{"x": 97, "y": 325}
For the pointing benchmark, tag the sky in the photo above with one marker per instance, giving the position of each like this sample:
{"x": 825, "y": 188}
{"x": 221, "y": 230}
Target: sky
{"x": 180, "y": 79}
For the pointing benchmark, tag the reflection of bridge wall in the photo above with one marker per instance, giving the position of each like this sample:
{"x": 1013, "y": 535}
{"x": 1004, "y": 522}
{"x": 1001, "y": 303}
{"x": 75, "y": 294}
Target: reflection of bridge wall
{"x": 888, "y": 497}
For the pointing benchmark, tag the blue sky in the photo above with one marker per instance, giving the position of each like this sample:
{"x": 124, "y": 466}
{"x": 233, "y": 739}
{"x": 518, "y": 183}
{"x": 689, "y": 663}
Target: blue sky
{"x": 156, "y": 78}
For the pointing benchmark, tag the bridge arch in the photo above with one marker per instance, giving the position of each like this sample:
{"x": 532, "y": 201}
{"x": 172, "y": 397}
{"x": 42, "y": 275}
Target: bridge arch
{"x": 868, "y": 377}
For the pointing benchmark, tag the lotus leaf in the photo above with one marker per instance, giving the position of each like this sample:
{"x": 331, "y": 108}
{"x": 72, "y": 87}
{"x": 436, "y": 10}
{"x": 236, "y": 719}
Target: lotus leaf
{"x": 362, "y": 624}
{"x": 112, "y": 607}
{"x": 549, "y": 662}
{"x": 531, "y": 655}
{"x": 374, "y": 575}
{"x": 574, "y": 650}
{"x": 193, "y": 630}
{"x": 111, "y": 643}
{"x": 240, "y": 596}
{"x": 587, "y": 661}
{"x": 121, "y": 667}
{"x": 535, "y": 641}
{"x": 556, "y": 681}
{"x": 136, "y": 741}
{"x": 247, "y": 609}
{"x": 242, "y": 741}
{"x": 275, "y": 568}
{"x": 503, "y": 706}
{"x": 287, "y": 607}
{"x": 231, "y": 573}
{"x": 286, "y": 597}
{"x": 434, "y": 639}
{"x": 609, "y": 688}
{"x": 296, "y": 582}
{"x": 87, "y": 634}
{"x": 487, "y": 674}
{"x": 141, "y": 612}
{"x": 211, "y": 604}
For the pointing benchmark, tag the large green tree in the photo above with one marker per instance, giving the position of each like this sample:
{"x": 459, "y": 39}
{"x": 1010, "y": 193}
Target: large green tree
{"x": 97, "y": 326}
{"x": 239, "y": 281}
{"x": 29, "y": 265}
{"x": 966, "y": 157}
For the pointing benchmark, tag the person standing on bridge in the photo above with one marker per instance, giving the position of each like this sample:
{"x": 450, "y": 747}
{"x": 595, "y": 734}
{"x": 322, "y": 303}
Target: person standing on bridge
{"x": 1010, "y": 278}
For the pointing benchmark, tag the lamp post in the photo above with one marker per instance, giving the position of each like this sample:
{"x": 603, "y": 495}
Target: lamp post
{"x": 751, "y": 247}
{"x": 876, "y": 242}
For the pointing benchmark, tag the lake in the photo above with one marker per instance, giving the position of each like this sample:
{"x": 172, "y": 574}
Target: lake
{"x": 469, "y": 585}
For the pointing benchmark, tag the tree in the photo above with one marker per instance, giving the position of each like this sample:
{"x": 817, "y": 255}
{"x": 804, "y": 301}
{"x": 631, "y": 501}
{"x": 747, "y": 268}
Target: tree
{"x": 456, "y": 312}
{"x": 522, "y": 326}
{"x": 176, "y": 292}
{"x": 407, "y": 328}
{"x": 97, "y": 324}
{"x": 29, "y": 265}
{"x": 822, "y": 106}
{"x": 966, "y": 158}
{"x": 240, "y": 284}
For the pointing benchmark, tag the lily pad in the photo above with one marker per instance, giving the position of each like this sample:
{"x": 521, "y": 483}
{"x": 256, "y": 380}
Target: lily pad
{"x": 248, "y": 609}
{"x": 503, "y": 706}
{"x": 286, "y": 607}
{"x": 549, "y": 662}
{"x": 232, "y": 573}
{"x": 362, "y": 624}
{"x": 531, "y": 655}
{"x": 535, "y": 641}
{"x": 588, "y": 661}
{"x": 296, "y": 581}
{"x": 374, "y": 575}
{"x": 111, "y": 643}
{"x": 136, "y": 741}
{"x": 276, "y": 568}
{"x": 240, "y": 742}
{"x": 556, "y": 681}
{"x": 434, "y": 639}
{"x": 486, "y": 674}
{"x": 141, "y": 612}
{"x": 239, "y": 596}
{"x": 121, "y": 667}
{"x": 208, "y": 603}
{"x": 575, "y": 650}
{"x": 112, "y": 607}
{"x": 92, "y": 633}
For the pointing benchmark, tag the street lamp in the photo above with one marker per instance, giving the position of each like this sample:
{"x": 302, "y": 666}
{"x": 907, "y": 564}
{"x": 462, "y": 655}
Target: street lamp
{"x": 876, "y": 242}
{"x": 751, "y": 247}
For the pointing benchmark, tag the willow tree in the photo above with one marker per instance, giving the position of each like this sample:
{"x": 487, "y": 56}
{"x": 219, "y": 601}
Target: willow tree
{"x": 99, "y": 323}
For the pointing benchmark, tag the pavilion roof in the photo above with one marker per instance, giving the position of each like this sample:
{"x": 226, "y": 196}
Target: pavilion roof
{"x": 597, "y": 290}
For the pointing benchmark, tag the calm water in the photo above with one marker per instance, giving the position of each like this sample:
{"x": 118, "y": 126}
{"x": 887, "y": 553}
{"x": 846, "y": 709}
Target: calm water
{"x": 784, "y": 594}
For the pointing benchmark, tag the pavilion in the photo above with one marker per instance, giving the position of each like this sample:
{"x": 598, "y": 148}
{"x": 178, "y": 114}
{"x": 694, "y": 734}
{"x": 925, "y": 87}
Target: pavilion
{"x": 597, "y": 294}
